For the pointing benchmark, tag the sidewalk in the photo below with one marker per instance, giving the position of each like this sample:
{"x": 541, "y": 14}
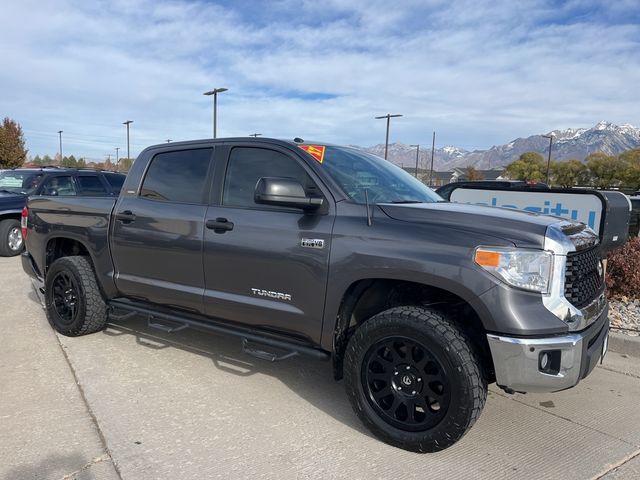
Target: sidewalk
{"x": 191, "y": 406}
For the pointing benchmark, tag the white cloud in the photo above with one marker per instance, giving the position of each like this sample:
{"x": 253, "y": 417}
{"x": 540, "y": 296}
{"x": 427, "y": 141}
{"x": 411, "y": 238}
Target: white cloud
{"x": 479, "y": 73}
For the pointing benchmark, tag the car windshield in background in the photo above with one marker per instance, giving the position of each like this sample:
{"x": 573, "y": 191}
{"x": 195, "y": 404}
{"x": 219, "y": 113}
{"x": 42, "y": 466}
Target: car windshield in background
{"x": 14, "y": 181}
{"x": 357, "y": 172}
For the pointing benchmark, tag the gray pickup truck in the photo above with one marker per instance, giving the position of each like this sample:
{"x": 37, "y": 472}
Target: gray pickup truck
{"x": 312, "y": 249}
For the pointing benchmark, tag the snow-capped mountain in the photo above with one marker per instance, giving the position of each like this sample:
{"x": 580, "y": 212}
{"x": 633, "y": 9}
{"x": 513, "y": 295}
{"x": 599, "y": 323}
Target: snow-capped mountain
{"x": 569, "y": 143}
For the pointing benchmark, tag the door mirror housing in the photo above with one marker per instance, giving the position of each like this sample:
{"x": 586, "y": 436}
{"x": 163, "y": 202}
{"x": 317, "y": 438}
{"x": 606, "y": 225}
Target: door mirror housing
{"x": 284, "y": 192}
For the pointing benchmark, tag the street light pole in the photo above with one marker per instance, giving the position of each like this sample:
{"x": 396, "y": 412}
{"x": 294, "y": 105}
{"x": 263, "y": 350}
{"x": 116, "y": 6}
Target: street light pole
{"x": 117, "y": 157}
{"x": 60, "y": 135}
{"x": 388, "y": 116}
{"x": 127, "y": 123}
{"x": 417, "y": 156}
{"x": 433, "y": 149}
{"x": 254, "y": 135}
{"x": 550, "y": 137}
{"x": 215, "y": 93}
{"x": 169, "y": 140}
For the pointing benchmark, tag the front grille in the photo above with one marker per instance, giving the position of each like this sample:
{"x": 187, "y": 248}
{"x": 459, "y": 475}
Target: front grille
{"x": 583, "y": 282}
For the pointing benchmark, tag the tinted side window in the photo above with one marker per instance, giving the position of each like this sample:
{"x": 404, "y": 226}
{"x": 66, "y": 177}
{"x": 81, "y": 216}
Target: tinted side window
{"x": 90, "y": 185}
{"x": 116, "y": 181}
{"x": 178, "y": 176}
{"x": 248, "y": 165}
{"x": 59, "y": 186}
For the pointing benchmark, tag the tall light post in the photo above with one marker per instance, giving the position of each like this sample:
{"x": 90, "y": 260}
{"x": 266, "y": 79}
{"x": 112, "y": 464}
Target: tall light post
{"x": 254, "y": 135}
{"x": 60, "y": 135}
{"x": 127, "y": 123}
{"x": 550, "y": 137}
{"x": 388, "y": 116}
{"x": 433, "y": 151}
{"x": 117, "y": 157}
{"x": 417, "y": 157}
{"x": 215, "y": 93}
{"x": 169, "y": 140}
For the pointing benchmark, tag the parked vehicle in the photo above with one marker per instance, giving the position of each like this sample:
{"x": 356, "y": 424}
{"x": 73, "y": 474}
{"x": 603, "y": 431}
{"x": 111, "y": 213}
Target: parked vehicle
{"x": 16, "y": 185}
{"x": 327, "y": 251}
{"x": 445, "y": 190}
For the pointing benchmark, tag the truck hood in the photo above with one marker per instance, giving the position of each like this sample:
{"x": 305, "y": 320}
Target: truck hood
{"x": 524, "y": 229}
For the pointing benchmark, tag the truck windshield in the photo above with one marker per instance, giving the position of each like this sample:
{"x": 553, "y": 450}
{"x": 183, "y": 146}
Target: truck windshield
{"x": 15, "y": 181}
{"x": 356, "y": 171}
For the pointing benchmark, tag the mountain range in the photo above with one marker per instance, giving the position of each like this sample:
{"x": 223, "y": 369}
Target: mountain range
{"x": 570, "y": 143}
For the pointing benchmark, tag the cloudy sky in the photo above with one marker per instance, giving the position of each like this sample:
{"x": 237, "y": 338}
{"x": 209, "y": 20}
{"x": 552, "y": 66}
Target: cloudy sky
{"x": 478, "y": 73}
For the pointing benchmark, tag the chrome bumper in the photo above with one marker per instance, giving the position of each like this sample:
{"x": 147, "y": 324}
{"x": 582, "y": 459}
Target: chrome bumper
{"x": 517, "y": 361}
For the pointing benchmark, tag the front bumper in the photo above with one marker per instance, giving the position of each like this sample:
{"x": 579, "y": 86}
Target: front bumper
{"x": 518, "y": 361}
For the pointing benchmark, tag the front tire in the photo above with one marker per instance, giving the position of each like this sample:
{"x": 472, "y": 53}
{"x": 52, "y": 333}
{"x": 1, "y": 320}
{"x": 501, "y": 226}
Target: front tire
{"x": 73, "y": 300}
{"x": 11, "y": 242}
{"x": 413, "y": 379}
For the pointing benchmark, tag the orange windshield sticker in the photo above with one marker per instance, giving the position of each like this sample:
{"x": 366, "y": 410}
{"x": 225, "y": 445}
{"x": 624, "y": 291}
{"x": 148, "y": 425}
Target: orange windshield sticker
{"x": 316, "y": 151}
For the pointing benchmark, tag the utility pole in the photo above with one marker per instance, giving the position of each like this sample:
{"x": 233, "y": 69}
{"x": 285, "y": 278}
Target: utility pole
{"x": 169, "y": 140}
{"x": 215, "y": 93}
{"x": 117, "y": 158}
{"x": 388, "y": 116}
{"x": 127, "y": 123}
{"x": 254, "y": 135}
{"x": 60, "y": 135}
{"x": 417, "y": 157}
{"x": 550, "y": 137}
{"x": 433, "y": 150}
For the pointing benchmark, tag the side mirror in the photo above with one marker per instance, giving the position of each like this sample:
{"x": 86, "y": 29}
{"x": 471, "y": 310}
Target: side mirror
{"x": 284, "y": 192}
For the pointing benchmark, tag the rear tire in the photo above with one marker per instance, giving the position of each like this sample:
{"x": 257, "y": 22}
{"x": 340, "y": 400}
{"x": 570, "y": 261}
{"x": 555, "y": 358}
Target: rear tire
{"x": 73, "y": 300}
{"x": 413, "y": 379}
{"x": 11, "y": 242}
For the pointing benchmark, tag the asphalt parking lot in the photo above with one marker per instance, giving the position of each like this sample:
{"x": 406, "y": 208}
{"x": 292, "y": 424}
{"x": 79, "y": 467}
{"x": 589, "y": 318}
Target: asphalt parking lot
{"x": 134, "y": 403}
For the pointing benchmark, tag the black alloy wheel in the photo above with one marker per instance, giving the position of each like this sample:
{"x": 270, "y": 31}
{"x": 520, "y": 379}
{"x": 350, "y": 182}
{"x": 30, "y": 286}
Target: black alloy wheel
{"x": 65, "y": 298}
{"x": 405, "y": 384}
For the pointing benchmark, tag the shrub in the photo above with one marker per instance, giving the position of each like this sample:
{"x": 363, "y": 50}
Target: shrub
{"x": 623, "y": 270}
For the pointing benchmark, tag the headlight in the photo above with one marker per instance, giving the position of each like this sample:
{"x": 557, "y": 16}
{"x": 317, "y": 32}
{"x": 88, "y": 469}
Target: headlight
{"x": 526, "y": 269}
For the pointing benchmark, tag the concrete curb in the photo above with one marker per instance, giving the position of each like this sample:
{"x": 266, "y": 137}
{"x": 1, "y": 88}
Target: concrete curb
{"x": 625, "y": 344}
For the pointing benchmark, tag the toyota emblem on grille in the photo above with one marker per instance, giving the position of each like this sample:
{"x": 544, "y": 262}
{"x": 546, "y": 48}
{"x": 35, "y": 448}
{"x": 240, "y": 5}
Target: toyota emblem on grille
{"x": 600, "y": 268}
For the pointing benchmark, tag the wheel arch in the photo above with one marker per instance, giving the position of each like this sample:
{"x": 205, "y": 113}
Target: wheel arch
{"x": 365, "y": 298}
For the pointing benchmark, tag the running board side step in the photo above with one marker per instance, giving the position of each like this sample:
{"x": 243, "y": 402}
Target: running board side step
{"x": 172, "y": 322}
{"x": 264, "y": 355}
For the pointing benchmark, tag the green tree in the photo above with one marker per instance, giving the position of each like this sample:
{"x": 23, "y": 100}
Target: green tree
{"x": 631, "y": 164}
{"x": 37, "y": 160}
{"x": 47, "y": 160}
{"x": 530, "y": 166}
{"x": 81, "y": 163}
{"x": 606, "y": 170}
{"x": 125, "y": 164}
{"x": 569, "y": 173}
{"x": 471, "y": 174}
{"x": 12, "y": 150}
{"x": 69, "y": 162}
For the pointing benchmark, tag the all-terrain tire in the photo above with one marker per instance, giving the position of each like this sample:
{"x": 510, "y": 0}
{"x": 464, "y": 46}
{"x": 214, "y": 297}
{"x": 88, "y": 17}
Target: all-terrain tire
{"x": 415, "y": 424}
{"x": 9, "y": 228}
{"x": 73, "y": 301}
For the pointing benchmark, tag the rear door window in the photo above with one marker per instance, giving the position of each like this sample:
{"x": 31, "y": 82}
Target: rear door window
{"x": 90, "y": 185}
{"x": 179, "y": 176}
{"x": 115, "y": 181}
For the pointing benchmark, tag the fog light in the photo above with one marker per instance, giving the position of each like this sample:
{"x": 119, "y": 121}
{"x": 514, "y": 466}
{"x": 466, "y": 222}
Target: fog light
{"x": 544, "y": 361}
{"x": 549, "y": 361}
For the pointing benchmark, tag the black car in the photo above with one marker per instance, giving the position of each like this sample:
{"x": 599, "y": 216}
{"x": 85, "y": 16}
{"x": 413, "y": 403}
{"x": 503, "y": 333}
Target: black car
{"x": 445, "y": 190}
{"x": 16, "y": 185}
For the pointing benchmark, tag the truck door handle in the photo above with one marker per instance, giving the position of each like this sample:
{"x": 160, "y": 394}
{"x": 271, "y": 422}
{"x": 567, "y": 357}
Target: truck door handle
{"x": 219, "y": 225}
{"x": 126, "y": 216}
